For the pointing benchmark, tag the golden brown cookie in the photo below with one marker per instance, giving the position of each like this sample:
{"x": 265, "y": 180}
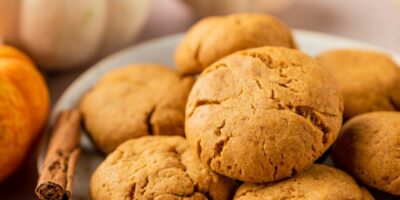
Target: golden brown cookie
{"x": 215, "y": 37}
{"x": 263, "y": 114}
{"x": 316, "y": 183}
{"x": 369, "y": 81}
{"x": 133, "y": 101}
{"x": 369, "y": 148}
{"x": 157, "y": 168}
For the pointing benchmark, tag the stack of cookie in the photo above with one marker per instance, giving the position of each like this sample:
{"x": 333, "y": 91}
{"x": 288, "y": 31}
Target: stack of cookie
{"x": 256, "y": 112}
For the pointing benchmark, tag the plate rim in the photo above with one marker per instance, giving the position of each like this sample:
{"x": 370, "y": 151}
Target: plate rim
{"x": 44, "y": 139}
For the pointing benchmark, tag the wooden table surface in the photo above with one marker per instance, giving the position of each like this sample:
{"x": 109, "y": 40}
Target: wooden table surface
{"x": 375, "y": 22}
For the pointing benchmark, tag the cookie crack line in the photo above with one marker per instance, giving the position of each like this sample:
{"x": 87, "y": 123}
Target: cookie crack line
{"x": 326, "y": 114}
{"x": 216, "y": 67}
{"x": 303, "y": 111}
{"x": 309, "y": 114}
{"x": 132, "y": 191}
{"x": 219, "y": 147}
{"x": 392, "y": 101}
{"x": 203, "y": 102}
{"x": 146, "y": 183}
{"x": 150, "y": 130}
{"x": 274, "y": 166}
{"x": 245, "y": 193}
{"x": 266, "y": 155}
{"x": 180, "y": 196}
{"x": 219, "y": 128}
{"x": 197, "y": 54}
{"x": 265, "y": 59}
{"x": 391, "y": 181}
{"x": 286, "y": 86}
{"x": 258, "y": 84}
{"x": 195, "y": 184}
{"x": 206, "y": 102}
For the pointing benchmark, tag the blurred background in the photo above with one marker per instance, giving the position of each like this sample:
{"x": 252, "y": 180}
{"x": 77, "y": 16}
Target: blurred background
{"x": 135, "y": 21}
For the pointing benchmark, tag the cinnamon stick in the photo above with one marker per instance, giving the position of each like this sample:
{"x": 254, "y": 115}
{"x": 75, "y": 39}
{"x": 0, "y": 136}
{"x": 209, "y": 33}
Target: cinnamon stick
{"x": 56, "y": 178}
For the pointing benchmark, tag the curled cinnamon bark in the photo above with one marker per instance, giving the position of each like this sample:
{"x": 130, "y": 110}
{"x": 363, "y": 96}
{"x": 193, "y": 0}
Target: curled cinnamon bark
{"x": 55, "y": 181}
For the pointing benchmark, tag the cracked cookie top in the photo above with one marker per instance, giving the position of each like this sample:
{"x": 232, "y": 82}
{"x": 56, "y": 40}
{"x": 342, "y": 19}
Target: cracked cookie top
{"x": 133, "y": 101}
{"x": 157, "y": 168}
{"x": 369, "y": 148}
{"x": 315, "y": 183}
{"x": 215, "y": 37}
{"x": 263, "y": 114}
{"x": 369, "y": 81}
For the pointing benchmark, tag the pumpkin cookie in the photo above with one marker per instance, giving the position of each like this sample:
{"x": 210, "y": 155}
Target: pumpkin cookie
{"x": 315, "y": 183}
{"x": 369, "y": 148}
{"x": 263, "y": 114}
{"x": 134, "y": 101}
{"x": 369, "y": 81}
{"x": 215, "y": 37}
{"x": 158, "y": 167}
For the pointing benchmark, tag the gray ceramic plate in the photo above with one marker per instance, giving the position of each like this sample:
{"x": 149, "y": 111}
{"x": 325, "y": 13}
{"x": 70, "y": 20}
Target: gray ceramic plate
{"x": 161, "y": 51}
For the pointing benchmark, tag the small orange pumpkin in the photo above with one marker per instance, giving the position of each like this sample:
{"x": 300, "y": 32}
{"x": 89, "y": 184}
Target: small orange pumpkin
{"x": 24, "y": 107}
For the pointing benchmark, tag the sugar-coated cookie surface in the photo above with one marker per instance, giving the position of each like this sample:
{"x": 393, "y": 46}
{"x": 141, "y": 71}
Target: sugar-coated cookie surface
{"x": 369, "y": 81}
{"x": 215, "y": 37}
{"x": 157, "y": 168}
{"x": 133, "y": 101}
{"x": 263, "y": 114}
{"x": 369, "y": 148}
{"x": 315, "y": 183}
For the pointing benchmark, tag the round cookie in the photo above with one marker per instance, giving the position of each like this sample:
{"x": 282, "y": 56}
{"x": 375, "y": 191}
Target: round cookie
{"x": 159, "y": 168}
{"x": 263, "y": 114}
{"x": 315, "y": 183}
{"x": 215, "y": 37}
{"x": 369, "y": 148}
{"x": 369, "y": 81}
{"x": 133, "y": 101}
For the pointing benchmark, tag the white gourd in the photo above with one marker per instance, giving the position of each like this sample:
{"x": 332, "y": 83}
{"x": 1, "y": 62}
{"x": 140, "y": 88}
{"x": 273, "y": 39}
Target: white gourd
{"x": 62, "y": 34}
{"x": 224, "y": 7}
{"x": 66, "y": 33}
{"x": 125, "y": 18}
